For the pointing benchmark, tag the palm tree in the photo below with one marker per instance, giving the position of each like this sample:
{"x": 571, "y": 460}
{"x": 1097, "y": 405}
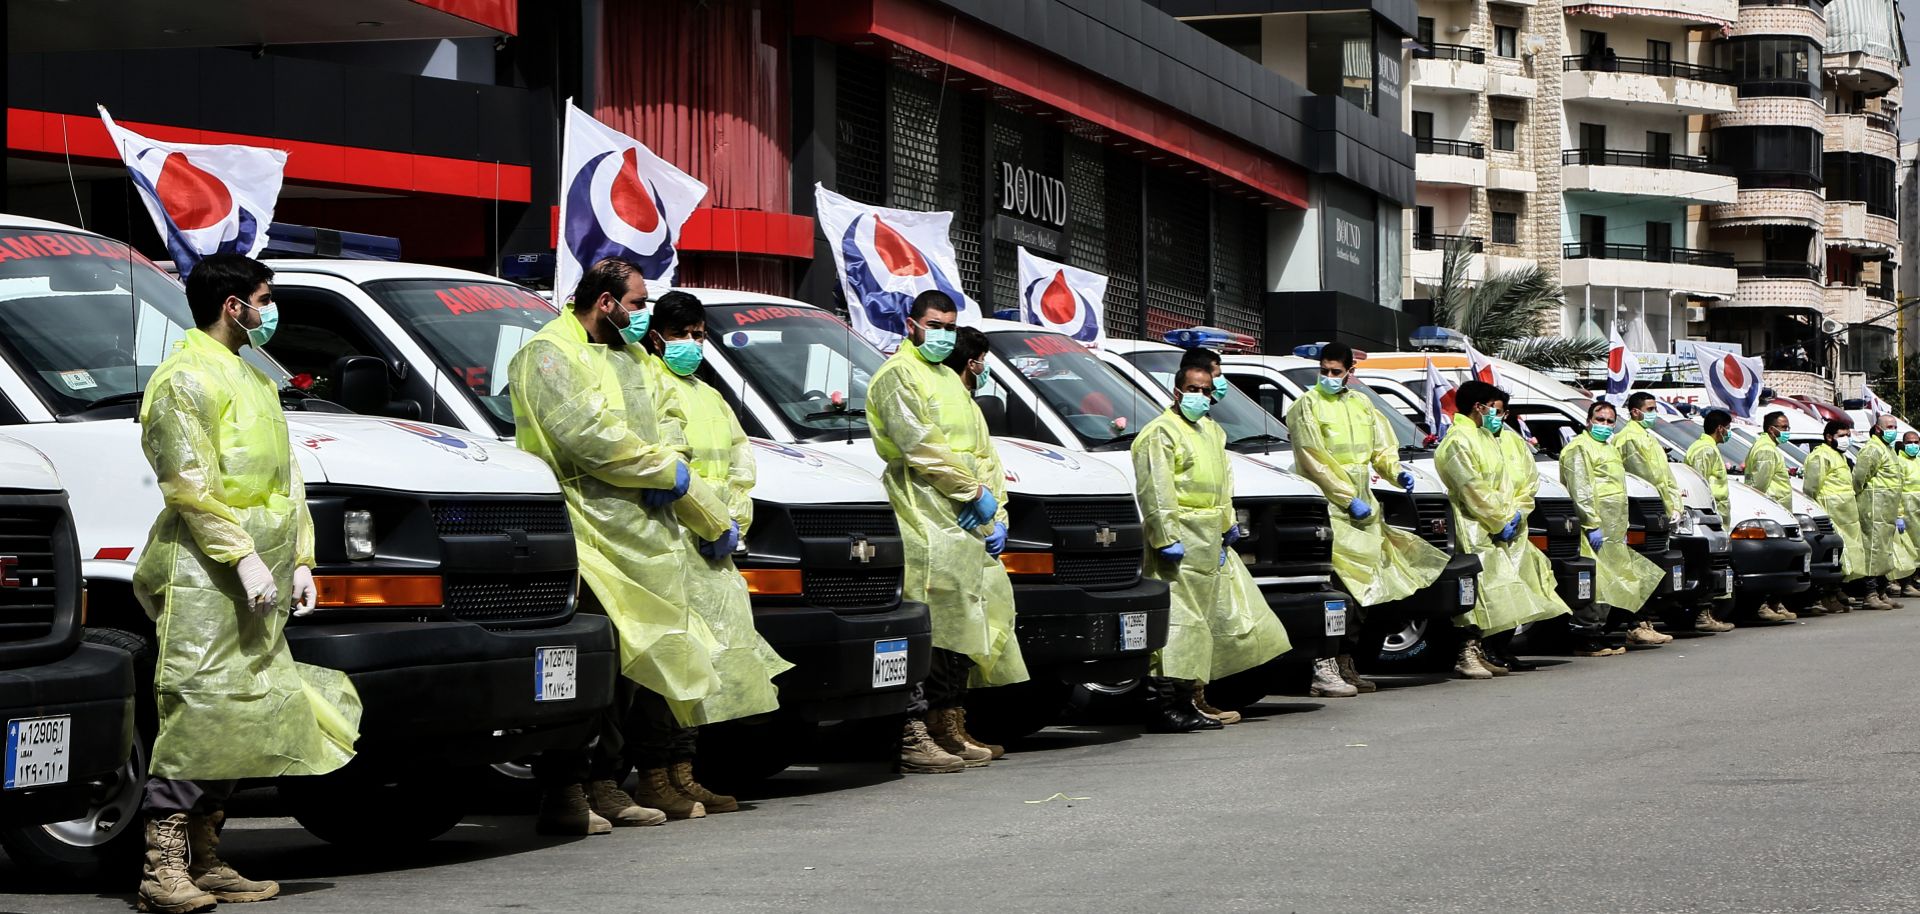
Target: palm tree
{"x": 1505, "y": 314}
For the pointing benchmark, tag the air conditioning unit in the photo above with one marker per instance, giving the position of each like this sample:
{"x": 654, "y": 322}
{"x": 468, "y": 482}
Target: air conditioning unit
{"x": 1696, "y": 314}
{"x": 1829, "y": 326}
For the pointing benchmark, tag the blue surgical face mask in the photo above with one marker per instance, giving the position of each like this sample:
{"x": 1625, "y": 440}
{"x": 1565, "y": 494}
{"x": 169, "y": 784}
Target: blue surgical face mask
{"x": 682, "y": 356}
{"x": 1492, "y": 422}
{"x": 1780, "y": 436}
{"x": 1219, "y": 388}
{"x": 1331, "y": 386}
{"x": 1649, "y": 420}
{"x": 1913, "y": 450}
{"x": 1601, "y": 433}
{"x": 635, "y": 332}
{"x": 257, "y": 337}
{"x": 938, "y": 343}
{"x": 1195, "y": 406}
{"x": 1886, "y": 434}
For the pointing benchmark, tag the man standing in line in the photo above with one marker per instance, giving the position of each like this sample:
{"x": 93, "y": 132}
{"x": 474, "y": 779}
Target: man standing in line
{"x": 581, "y": 404}
{"x": 1910, "y": 502}
{"x": 1339, "y": 441}
{"x": 1703, "y": 455}
{"x": 1218, "y": 623}
{"x": 947, "y": 488}
{"x": 1877, "y": 483}
{"x": 696, "y": 421}
{"x": 1767, "y": 471}
{"x": 1535, "y": 568}
{"x": 1597, "y": 479}
{"x": 1827, "y": 479}
{"x": 1490, "y": 492}
{"x": 1644, "y": 457}
{"x": 232, "y": 537}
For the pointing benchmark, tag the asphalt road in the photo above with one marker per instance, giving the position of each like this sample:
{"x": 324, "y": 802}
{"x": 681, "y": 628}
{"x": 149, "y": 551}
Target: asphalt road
{"x": 1766, "y": 770}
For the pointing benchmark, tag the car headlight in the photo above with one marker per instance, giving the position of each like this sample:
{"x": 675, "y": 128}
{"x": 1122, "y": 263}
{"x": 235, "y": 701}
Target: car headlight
{"x": 1244, "y": 519}
{"x": 359, "y": 534}
{"x": 1806, "y": 523}
{"x": 1689, "y": 523}
{"x": 1759, "y": 529}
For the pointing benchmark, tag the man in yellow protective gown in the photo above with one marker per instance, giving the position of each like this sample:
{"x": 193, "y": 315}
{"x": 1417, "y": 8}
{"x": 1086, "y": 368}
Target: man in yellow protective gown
{"x": 1910, "y": 500}
{"x": 1536, "y": 569}
{"x": 1827, "y": 479}
{"x": 1704, "y": 457}
{"x": 1766, "y": 467}
{"x": 1597, "y": 480}
{"x": 1645, "y": 457}
{"x": 581, "y": 404}
{"x": 1339, "y": 441}
{"x": 948, "y": 490}
{"x": 1877, "y": 485}
{"x": 696, "y": 421}
{"x": 229, "y": 555}
{"x": 1491, "y": 489}
{"x": 1218, "y": 622}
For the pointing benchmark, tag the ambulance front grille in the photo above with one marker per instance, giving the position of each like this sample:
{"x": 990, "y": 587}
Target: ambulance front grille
{"x": 851, "y": 589}
{"x": 28, "y": 582}
{"x": 511, "y": 602}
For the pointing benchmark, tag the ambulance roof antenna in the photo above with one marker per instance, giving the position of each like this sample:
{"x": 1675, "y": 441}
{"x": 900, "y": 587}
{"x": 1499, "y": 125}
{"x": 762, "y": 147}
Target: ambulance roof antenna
{"x": 73, "y": 185}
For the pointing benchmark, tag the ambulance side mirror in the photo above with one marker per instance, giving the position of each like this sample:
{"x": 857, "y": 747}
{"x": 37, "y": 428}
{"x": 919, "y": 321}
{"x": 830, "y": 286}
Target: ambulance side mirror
{"x": 361, "y": 384}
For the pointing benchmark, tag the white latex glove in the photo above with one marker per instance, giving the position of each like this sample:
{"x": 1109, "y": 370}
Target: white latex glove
{"x": 304, "y": 595}
{"x": 257, "y": 580}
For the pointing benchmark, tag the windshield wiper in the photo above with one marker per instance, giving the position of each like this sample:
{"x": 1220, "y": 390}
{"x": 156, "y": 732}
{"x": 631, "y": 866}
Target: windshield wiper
{"x": 1260, "y": 442}
{"x": 131, "y": 396}
{"x": 832, "y": 413}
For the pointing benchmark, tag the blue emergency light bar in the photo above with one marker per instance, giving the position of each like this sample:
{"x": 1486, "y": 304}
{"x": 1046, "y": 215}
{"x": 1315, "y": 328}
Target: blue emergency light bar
{"x": 1007, "y": 314}
{"x": 1312, "y": 351}
{"x": 287, "y": 240}
{"x": 1431, "y": 337}
{"x": 1209, "y": 338}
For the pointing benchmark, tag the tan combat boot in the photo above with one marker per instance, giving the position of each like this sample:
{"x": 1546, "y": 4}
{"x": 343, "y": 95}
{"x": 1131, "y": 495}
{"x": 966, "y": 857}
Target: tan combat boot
{"x": 943, "y": 726}
{"x": 919, "y": 754}
{"x": 1643, "y": 635}
{"x": 616, "y": 806}
{"x": 657, "y": 790}
{"x": 1352, "y": 674}
{"x": 1876, "y": 601}
{"x": 212, "y": 874}
{"x": 1706, "y": 621}
{"x": 1200, "y": 704}
{"x": 1486, "y": 660}
{"x": 565, "y": 812}
{"x": 1780, "y": 607}
{"x": 682, "y": 776}
{"x": 1836, "y": 604}
{"x": 960, "y": 720}
{"x": 1766, "y": 613}
{"x": 165, "y": 885}
{"x": 1468, "y": 666}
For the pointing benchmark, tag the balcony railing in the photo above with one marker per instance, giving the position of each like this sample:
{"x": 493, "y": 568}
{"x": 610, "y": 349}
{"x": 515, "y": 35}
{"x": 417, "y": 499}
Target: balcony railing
{"x": 1594, "y": 250}
{"x": 1427, "y": 145}
{"x": 1778, "y": 88}
{"x": 1633, "y": 159}
{"x": 1881, "y": 122}
{"x": 1882, "y": 292}
{"x": 1646, "y": 67}
{"x": 1438, "y": 51}
{"x": 1809, "y": 4}
{"x": 1777, "y": 269}
{"x": 1442, "y": 242}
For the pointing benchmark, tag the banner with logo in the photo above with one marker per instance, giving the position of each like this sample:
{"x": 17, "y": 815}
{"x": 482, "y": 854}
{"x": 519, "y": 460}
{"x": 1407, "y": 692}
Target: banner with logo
{"x": 1482, "y": 368}
{"x": 1439, "y": 401}
{"x": 886, "y": 257}
{"x": 1621, "y": 366}
{"x": 1063, "y": 298}
{"x": 1873, "y": 402}
{"x": 203, "y": 199}
{"x": 1733, "y": 381}
{"x": 618, "y": 199}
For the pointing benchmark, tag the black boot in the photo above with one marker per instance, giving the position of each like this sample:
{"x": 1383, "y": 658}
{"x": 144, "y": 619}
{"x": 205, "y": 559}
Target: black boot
{"x": 1500, "y": 648}
{"x": 1171, "y": 709}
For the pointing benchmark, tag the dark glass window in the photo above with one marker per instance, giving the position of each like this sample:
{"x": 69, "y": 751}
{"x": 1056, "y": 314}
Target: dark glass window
{"x": 1774, "y": 66}
{"x": 1771, "y": 155}
{"x": 1505, "y": 134}
{"x": 1506, "y": 41}
{"x": 1861, "y": 178}
{"x": 1506, "y": 228}
{"x": 1340, "y": 57}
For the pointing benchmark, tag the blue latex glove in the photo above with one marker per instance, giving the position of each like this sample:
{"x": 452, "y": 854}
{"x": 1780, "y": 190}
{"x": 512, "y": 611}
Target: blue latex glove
{"x": 997, "y": 540}
{"x": 1406, "y": 480}
{"x": 980, "y": 511}
{"x": 1359, "y": 509}
{"x": 721, "y": 548}
{"x": 660, "y": 498}
{"x": 1231, "y": 536}
{"x": 1223, "y": 556}
{"x": 1173, "y": 552}
{"x": 1594, "y": 539}
{"x": 1511, "y": 530}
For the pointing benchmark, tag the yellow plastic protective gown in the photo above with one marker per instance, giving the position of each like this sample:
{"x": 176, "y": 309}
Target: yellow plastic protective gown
{"x": 1827, "y": 480}
{"x": 939, "y": 453}
{"x": 1219, "y": 623}
{"x": 1910, "y": 499}
{"x": 1644, "y": 456}
{"x": 1339, "y": 441}
{"x": 1767, "y": 471}
{"x": 232, "y": 701}
{"x": 1877, "y": 484}
{"x": 1535, "y": 568}
{"x": 1703, "y": 455}
{"x": 1597, "y": 479}
{"x": 585, "y": 410}
{"x": 696, "y": 421}
{"x": 1485, "y": 489}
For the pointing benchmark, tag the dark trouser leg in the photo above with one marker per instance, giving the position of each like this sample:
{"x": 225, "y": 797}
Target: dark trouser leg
{"x": 1334, "y": 645}
{"x": 599, "y": 758}
{"x": 657, "y": 738}
{"x": 945, "y": 686}
{"x": 167, "y": 796}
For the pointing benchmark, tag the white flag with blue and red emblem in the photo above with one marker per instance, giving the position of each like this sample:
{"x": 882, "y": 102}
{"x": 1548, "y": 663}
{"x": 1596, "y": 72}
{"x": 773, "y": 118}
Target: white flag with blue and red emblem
{"x": 1439, "y": 401}
{"x": 618, "y": 199}
{"x": 1873, "y": 402}
{"x": 1621, "y": 366}
{"x": 887, "y": 257}
{"x": 1733, "y": 382}
{"x": 203, "y": 199}
{"x": 1063, "y": 298}
{"x": 1482, "y": 368}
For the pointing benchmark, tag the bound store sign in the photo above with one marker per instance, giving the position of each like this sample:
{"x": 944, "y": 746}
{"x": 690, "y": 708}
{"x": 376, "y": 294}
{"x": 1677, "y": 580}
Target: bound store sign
{"x": 1031, "y": 195}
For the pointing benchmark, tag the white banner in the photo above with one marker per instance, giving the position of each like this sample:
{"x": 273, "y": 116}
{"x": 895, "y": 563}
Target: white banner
{"x": 1733, "y": 382}
{"x": 1060, "y": 297}
{"x": 203, "y": 199}
{"x": 618, "y": 199}
{"x": 886, "y": 257}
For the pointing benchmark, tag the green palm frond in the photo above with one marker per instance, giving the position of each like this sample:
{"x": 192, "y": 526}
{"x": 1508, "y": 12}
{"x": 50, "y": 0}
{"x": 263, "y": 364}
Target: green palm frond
{"x": 1505, "y": 313}
{"x": 1546, "y": 353}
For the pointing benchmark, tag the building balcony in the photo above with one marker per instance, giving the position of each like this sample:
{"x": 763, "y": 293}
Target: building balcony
{"x": 1444, "y": 68}
{"x": 1758, "y": 206}
{"x": 1874, "y": 134}
{"x": 1799, "y": 18}
{"x": 1846, "y": 304}
{"x": 1506, "y": 84}
{"x": 1651, "y": 86}
{"x": 1647, "y": 174}
{"x": 1882, "y": 293}
{"x": 1861, "y": 71}
{"x": 1518, "y": 180}
{"x": 1775, "y": 111}
{"x": 1720, "y": 13}
{"x": 1862, "y": 228}
{"x": 1429, "y": 256}
{"x": 1778, "y": 284}
{"x": 1449, "y": 162}
{"x": 1437, "y": 242}
{"x": 1635, "y": 266}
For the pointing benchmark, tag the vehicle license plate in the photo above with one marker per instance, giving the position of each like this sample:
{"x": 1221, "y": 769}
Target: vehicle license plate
{"x": 1469, "y": 590}
{"x": 38, "y": 750}
{"x": 1585, "y": 590}
{"x": 889, "y": 663}
{"x": 1679, "y": 577}
{"x": 1336, "y": 617}
{"x": 1133, "y": 631}
{"x": 556, "y": 673}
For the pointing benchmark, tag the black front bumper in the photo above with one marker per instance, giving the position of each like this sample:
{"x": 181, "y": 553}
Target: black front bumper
{"x": 460, "y": 693}
{"x": 1573, "y": 581}
{"x": 1304, "y": 615}
{"x": 1667, "y": 561}
{"x": 1455, "y": 591}
{"x": 94, "y": 687}
{"x": 1826, "y": 548}
{"x": 1074, "y": 634}
{"x": 1771, "y": 567}
{"x": 833, "y": 658}
{"x": 1707, "y": 572}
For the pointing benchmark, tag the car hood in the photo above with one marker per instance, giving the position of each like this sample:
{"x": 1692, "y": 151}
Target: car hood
{"x": 411, "y": 457}
{"x": 23, "y": 467}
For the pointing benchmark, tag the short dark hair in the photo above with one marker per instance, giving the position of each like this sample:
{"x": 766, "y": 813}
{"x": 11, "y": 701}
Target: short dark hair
{"x": 1337, "y": 350}
{"x": 1597, "y": 406}
{"x": 968, "y": 344}
{"x": 1180, "y": 377}
{"x": 1199, "y": 356}
{"x": 674, "y": 313}
{"x": 1837, "y": 427}
{"x": 611, "y": 276}
{"x": 931, "y": 300}
{"x": 218, "y": 277}
{"x": 1475, "y": 392}
{"x": 1639, "y": 399}
{"x": 1767, "y": 423}
{"x": 1716, "y": 420}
